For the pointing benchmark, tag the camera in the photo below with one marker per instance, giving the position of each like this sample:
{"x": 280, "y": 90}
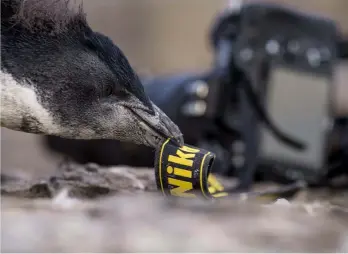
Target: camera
{"x": 282, "y": 64}
{"x": 265, "y": 107}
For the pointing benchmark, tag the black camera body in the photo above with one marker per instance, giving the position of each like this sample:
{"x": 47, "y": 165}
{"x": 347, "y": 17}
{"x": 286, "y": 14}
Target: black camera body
{"x": 273, "y": 45}
{"x": 264, "y": 108}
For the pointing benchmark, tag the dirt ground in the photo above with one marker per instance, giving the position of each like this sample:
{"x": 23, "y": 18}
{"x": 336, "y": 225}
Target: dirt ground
{"x": 117, "y": 209}
{"x": 86, "y": 208}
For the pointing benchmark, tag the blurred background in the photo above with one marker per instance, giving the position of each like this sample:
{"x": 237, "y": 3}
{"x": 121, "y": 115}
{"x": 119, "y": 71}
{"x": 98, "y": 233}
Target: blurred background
{"x": 158, "y": 37}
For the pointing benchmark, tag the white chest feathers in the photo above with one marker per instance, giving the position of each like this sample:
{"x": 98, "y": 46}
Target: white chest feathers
{"x": 21, "y": 108}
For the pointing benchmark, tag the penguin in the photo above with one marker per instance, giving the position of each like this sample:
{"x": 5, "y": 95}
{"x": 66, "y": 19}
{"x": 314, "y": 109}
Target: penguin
{"x": 61, "y": 78}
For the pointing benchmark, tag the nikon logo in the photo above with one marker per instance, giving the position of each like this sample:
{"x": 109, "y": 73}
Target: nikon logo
{"x": 182, "y": 172}
{"x": 180, "y": 166}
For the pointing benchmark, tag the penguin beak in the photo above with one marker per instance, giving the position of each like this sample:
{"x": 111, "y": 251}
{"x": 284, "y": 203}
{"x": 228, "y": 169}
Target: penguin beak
{"x": 158, "y": 127}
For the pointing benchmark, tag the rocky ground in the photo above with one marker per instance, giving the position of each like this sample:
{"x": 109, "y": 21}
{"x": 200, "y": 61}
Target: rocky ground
{"x": 87, "y": 208}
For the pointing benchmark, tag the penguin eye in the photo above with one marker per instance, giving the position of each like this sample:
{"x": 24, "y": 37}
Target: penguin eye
{"x": 108, "y": 90}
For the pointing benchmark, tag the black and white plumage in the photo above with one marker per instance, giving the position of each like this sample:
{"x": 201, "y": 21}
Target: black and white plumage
{"x": 59, "y": 77}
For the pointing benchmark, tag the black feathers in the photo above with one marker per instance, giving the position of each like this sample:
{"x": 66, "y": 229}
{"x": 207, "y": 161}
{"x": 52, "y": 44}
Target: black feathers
{"x": 118, "y": 64}
{"x": 50, "y": 17}
{"x": 50, "y": 41}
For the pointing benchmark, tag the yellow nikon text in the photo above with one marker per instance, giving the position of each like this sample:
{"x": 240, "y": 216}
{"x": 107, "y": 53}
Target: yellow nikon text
{"x": 181, "y": 164}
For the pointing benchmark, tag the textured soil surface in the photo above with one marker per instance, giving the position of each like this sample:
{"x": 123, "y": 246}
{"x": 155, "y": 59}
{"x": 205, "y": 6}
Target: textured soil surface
{"x": 87, "y": 208}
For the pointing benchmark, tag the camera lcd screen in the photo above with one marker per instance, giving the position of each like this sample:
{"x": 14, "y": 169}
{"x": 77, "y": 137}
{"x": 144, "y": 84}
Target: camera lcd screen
{"x": 298, "y": 103}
